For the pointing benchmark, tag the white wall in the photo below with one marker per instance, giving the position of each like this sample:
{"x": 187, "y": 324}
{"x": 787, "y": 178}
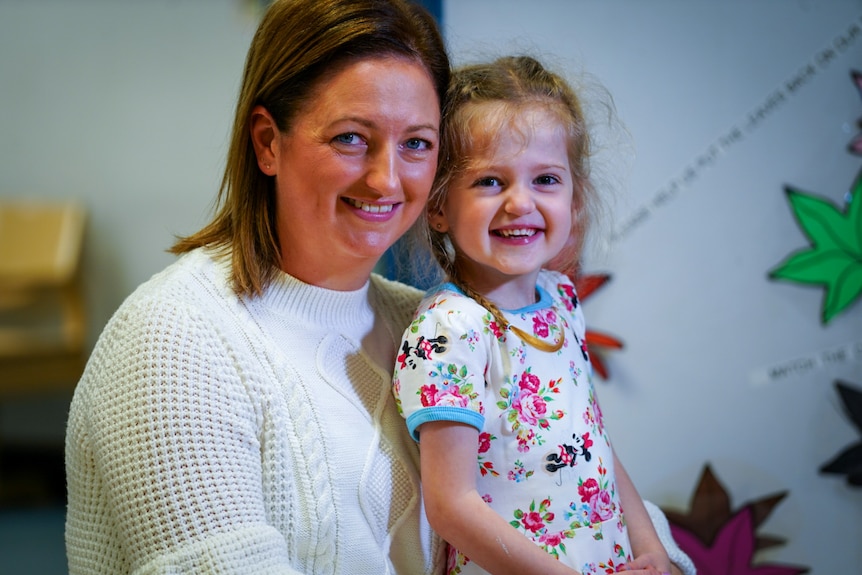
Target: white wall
{"x": 689, "y": 293}
{"x": 126, "y": 105}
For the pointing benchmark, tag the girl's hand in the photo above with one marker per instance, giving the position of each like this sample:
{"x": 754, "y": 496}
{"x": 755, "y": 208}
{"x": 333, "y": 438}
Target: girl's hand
{"x": 653, "y": 562}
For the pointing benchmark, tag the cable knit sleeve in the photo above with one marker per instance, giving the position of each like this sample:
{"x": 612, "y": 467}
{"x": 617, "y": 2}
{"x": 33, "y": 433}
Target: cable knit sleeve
{"x": 677, "y": 556}
{"x": 163, "y": 453}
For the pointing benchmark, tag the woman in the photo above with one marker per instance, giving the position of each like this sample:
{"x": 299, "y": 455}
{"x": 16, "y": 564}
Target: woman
{"x": 236, "y": 414}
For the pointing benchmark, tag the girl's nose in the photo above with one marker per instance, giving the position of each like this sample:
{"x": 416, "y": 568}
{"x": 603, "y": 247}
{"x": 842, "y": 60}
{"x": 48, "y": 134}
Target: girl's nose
{"x": 519, "y": 200}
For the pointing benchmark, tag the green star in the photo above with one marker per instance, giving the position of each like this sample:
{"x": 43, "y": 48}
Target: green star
{"x": 834, "y": 259}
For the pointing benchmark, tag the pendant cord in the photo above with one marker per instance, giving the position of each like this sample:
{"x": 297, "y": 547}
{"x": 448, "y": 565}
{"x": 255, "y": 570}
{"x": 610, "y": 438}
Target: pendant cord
{"x": 537, "y": 343}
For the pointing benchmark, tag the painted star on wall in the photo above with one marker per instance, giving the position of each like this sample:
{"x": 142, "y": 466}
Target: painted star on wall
{"x": 855, "y": 146}
{"x": 722, "y": 541}
{"x": 834, "y": 259}
{"x": 849, "y": 461}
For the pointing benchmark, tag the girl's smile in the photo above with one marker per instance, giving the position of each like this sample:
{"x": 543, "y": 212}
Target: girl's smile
{"x": 510, "y": 211}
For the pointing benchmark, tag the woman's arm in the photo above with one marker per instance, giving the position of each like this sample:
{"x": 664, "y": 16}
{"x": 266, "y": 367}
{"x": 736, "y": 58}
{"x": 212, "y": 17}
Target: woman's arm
{"x": 656, "y": 522}
{"x": 681, "y": 564}
{"x": 646, "y": 546}
{"x": 164, "y": 453}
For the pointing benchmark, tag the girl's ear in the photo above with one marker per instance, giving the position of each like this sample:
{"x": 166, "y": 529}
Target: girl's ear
{"x": 264, "y": 132}
{"x": 437, "y": 220}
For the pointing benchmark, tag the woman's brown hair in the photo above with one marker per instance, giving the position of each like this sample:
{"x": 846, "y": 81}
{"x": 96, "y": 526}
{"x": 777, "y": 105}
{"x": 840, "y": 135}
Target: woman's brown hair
{"x": 297, "y": 43}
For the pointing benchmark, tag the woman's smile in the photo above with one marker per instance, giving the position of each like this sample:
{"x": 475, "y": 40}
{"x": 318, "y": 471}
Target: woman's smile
{"x": 354, "y": 170}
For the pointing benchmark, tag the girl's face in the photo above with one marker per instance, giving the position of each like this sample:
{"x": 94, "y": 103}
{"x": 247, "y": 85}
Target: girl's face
{"x": 354, "y": 170}
{"x": 510, "y": 211}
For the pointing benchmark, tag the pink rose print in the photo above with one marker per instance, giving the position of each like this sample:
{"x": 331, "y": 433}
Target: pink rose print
{"x": 525, "y": 439}
{"x": 551, "y": 539}
{"x": 530, "y": 407}
{"x": 599, "y": 419}
{"x": 602, "y": 507}
{"x": 452, "y": 397}
{"x": 455, "y": 561}
{"x": 428, "y": 395}
{"x": 540, "y": 326}
{"x": 611, "y": 567}
{"x": 532, "y": 521}
{"x": 568, "y": 292}
{"x": 529, "y": 382}
{"x": 486, "y": 467}
{"x": 588, "y": 489}
{"x": 484, "y": 442}
{"x": 495, "y": 329}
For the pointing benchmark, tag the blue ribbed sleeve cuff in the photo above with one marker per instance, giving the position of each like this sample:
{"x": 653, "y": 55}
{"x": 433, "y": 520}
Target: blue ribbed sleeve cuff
{"x": 443, "y": 413}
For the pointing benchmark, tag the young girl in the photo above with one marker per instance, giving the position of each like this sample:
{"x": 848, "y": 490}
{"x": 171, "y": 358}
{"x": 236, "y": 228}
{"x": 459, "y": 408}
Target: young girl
{"x": 496, "y": 357}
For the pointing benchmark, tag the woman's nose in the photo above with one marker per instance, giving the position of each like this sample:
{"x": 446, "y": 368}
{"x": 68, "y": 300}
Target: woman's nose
{"x": 382, "y": 172}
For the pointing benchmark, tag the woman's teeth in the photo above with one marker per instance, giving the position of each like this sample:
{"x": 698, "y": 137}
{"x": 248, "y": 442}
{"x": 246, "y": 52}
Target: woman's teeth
{"x": 370, "y": 208}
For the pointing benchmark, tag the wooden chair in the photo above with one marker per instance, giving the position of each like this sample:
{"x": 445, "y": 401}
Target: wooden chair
{"x": 42, "y": 311}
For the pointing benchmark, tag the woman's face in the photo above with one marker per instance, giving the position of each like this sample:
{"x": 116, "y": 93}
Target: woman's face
{"x": 354, "y": 170}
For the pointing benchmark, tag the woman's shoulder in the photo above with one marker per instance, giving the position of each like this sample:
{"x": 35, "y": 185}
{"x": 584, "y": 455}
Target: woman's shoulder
{"x": 172, "y": 322}
{"x": 394, "y": 296}
{"x": 192, "y": 277}
{"x": 184, "y": 292}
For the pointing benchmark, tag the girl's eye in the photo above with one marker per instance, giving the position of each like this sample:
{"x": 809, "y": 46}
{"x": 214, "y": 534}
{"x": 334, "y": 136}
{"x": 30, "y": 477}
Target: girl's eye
{"x": 547, "y": 180}
{"x": 488, "y": 182}
{"x": 417, "y": 144}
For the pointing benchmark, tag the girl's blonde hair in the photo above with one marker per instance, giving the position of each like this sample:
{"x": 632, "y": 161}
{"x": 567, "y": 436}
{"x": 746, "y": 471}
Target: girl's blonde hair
{"x": 515, "y": 85}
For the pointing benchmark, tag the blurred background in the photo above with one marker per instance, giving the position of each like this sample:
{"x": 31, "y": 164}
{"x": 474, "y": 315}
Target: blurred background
{"x": 121, "y": 110}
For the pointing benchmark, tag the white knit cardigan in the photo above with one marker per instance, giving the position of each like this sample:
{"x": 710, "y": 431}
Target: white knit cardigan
{"x": 213, "y": 434}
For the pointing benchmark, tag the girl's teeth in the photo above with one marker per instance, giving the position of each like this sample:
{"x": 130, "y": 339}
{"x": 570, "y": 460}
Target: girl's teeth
{"x": 521, "y": 232}
{"x": 371, "y": 208}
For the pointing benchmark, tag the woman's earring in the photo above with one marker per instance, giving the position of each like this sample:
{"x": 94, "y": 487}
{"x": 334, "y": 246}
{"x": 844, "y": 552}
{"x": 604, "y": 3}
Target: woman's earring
{"x": 439, "y": 225}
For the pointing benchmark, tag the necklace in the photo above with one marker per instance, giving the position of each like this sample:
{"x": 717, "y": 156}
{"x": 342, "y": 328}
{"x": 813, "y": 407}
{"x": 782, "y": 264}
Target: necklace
{"x": 539, "y": 344}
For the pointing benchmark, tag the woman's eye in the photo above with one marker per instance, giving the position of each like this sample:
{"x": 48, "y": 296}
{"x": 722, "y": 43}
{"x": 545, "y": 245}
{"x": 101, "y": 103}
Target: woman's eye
{"x": 417, "y": 144}
{"x": 349, "y": 138}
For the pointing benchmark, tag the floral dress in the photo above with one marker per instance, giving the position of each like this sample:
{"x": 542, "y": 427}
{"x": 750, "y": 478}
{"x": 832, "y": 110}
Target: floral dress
{"x": 544, "y": 459}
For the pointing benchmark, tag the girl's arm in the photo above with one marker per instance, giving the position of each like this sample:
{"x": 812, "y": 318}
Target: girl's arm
{"x": 646, "y": 546}
{"x": 458, "y": 513}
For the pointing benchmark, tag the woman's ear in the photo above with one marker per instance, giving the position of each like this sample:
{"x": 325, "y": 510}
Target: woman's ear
{"x": 264, "y": 132}
{"x": 438, "y": 222}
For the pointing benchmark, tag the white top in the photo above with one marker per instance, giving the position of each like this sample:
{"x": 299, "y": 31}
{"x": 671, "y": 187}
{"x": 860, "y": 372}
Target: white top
{"x": 213, "y": 435}
{"x": 544, "y": 460}
{"x": 216, "y": 435}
